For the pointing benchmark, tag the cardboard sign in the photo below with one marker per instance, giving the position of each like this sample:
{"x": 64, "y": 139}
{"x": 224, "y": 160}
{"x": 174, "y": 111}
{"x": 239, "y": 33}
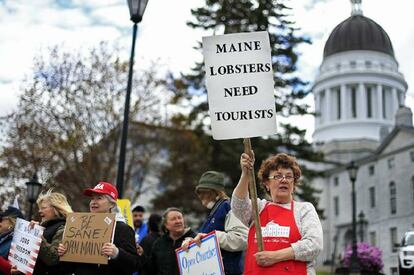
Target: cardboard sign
{"x": 125, "y": 207}
{"x": 84, "y": 236}
{"x": 201, "y": 260}
{"x": 240, "y": 85}
{"x": 25, "y": 246}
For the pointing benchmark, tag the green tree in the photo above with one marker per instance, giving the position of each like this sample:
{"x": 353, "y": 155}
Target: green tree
{"x": 66, "y": 124}
{"x": 218, "y": 17}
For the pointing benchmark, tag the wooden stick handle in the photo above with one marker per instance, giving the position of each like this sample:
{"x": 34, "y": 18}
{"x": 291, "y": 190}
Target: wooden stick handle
{"x": 253, "y": 197}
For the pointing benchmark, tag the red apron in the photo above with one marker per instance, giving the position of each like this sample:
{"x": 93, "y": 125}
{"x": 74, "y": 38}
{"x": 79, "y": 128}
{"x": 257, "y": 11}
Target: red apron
{"x": 279, "y": 232}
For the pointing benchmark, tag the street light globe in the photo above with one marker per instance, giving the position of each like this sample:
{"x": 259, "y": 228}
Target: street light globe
{"x": 136, "y": 9}
{"x": 352, "y": 170}
{"x": 33, "y": 189}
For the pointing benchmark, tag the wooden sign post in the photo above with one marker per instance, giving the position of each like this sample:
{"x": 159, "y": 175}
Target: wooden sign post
{"x": 253, "y": 197}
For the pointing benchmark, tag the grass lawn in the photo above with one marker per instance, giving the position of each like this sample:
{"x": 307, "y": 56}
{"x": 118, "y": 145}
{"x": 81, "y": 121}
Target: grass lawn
{"x": 323, "y": 273}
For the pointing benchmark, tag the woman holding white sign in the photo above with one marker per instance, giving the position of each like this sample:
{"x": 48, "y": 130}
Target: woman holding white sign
{"x": 292, "y": 232}
{"x": 122, "y": 254}
{"x": 53, "y": 209}
{"x": 230, "y": 232}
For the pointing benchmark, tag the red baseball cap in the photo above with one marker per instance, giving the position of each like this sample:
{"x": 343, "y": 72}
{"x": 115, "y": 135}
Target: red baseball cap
{"x": 102, "y": 188}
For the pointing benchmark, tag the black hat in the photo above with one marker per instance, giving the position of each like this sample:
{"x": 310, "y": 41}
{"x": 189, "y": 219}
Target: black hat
{"x": 12, "y": 212}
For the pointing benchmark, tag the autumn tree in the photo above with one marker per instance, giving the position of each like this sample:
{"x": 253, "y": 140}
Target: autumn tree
{"x": 66, "y": 126}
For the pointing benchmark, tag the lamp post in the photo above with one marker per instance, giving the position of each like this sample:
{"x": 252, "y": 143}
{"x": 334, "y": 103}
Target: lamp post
{"x": 361, "y": 222}
{"x": 136, "y": 11}
{"x": 33, "y": 190}
{"x": 352, "y": 171}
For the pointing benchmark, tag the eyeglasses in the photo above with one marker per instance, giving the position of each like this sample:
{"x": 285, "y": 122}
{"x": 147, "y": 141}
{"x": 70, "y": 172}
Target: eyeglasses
{"x": 279, "y": 177}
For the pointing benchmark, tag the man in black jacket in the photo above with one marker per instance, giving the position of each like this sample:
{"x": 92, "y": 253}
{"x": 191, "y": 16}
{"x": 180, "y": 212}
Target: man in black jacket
{"x": 163, "y": 260}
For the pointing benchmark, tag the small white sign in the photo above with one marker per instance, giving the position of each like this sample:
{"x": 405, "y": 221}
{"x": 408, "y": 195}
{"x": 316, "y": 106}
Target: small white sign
{"x": 25, "y": 246}
{"x": 273, "y": 229}
{"x": 240, "y": 85}
{"x": 201, "y": 260}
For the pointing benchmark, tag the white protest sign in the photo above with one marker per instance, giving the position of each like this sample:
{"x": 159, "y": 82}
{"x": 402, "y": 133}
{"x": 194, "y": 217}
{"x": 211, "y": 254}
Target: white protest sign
{"x": 25, "y": 246}
{"x": 239, "y": 80}
{"x": 201, "y": 260}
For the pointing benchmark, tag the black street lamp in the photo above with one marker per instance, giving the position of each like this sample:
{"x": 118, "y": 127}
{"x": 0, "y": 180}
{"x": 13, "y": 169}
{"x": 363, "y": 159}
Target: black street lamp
{"x": 352, "y": 171}
{"x": 136, "y": 11}
{"x": 361, "y": 222}
{"x": 33, "y": 190}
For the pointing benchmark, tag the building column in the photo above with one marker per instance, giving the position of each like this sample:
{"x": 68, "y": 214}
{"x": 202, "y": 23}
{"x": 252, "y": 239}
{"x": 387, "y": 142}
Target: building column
{"x": 380, "y": 114}
{"x": 361, "y": 102}
{"x": 395, "y": 100}
{"x": 317, "y": 108}
{"x": 343, "y": 102}
{"x": 328, "y": 105}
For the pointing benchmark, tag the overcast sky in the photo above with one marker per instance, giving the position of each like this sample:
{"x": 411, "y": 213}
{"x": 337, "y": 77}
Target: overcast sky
{"x": 28, "y": 26}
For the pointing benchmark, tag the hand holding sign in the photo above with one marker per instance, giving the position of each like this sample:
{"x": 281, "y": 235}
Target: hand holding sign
{"x": 197, "y": 239}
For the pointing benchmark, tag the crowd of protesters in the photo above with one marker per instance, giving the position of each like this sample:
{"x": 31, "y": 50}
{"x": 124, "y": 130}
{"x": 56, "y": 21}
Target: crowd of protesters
{"x": 150, "y": 247}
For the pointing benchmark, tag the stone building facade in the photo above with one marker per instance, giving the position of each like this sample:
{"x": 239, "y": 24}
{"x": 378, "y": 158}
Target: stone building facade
{"x": 359, "y": 100}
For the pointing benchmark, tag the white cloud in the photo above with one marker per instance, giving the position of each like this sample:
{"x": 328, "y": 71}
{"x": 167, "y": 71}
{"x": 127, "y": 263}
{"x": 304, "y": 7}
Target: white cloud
{"x": 28, "y": 26}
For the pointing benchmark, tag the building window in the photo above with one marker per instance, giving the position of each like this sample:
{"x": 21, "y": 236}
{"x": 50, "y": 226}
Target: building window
{"x": 336, "y": 206}
{"x": 371, "y": 170}
{"x": 352, "y": 64}
{"x": 394, "y": 271}
{"x": 412, "y": 156}
{"x": 338, "y": 67}
{"x": 393, "y": 198}
{"x": 393, "y": 238}
{"x": 372, "y": 196}
{"x": 353, "y": 102}
{"x": 391, "y": 163}
{"x": 369, "y": 101}
{"x": 373, "y": 238}
{"x": 336, "y": 181}
{"x": 368, "y": 64}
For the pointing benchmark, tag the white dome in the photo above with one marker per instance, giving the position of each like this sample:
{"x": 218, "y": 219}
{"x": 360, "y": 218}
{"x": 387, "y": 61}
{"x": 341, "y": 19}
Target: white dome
{"x": 356, "y": 93}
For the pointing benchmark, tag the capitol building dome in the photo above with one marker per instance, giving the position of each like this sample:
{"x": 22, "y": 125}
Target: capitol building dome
{"x": 359, "y": 88}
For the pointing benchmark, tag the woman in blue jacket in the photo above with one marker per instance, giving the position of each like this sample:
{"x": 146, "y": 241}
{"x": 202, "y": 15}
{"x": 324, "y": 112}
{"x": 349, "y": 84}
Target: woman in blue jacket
{"x": 231, "y": 233}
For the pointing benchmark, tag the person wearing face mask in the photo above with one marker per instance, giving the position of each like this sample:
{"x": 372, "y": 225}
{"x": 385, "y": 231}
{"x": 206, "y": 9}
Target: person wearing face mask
{"x": 122, "y": 254}
{"x": 291, "y": 230}
{"x": 231, "y": 233}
